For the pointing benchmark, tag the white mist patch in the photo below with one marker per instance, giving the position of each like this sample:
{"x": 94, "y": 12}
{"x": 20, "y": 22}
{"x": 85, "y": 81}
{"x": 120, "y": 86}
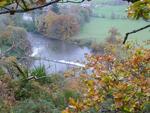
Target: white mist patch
{"x": 36, "y": 51}
{"x": 27, "y": 17}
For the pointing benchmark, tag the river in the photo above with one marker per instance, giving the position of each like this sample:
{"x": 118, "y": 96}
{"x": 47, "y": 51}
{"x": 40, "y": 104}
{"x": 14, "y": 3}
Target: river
{"x": 56, "y": 50}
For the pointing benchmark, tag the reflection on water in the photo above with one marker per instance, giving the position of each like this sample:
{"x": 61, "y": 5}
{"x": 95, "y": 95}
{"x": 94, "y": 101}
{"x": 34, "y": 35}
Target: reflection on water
{"x": 55, "y": 50}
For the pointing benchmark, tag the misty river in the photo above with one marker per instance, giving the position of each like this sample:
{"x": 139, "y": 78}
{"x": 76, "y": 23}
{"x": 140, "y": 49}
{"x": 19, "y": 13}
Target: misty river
{"x": 57, "y": 50}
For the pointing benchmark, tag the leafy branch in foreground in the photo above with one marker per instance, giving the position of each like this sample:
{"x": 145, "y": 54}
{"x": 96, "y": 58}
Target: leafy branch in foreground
{"x": 120, "y": 85}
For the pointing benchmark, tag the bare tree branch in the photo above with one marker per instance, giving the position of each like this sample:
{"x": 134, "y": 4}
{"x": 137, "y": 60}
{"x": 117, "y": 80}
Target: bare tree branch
{"x": 24, "y": 4}
{"x": 134, "y": 31}
{"x": 71, "y": 1}
{"x": 13, "y": 11}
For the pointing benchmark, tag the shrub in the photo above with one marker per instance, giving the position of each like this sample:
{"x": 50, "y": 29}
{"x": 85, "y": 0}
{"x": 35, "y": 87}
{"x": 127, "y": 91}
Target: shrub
{"x": 46, "y": 96}
{"x": 35, "y": 106}
{"x": 7, "y": 98}
{"x": 2, "y": 72}
{"x": 61, "y": 98}
{"x": 40, "y": 74}
{"x": 3, "y": 107}
{"x": 17, "y": 36}
{"x": 113, "y": 41}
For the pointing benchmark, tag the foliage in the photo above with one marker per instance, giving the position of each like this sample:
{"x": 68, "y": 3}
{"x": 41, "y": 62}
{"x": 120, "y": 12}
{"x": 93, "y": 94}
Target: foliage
{"x": 140, "y": 8}
{"x": 58, "y": 26}
{"x": 64, "y": 27}
{"x": 21, "y": 21}
{"x": 65, "y": 24}
{"x": 40, "y": 73}
{"x": 82, "y": 14}
{"x": 122, "y": 82}
{"x": 29, "y": 5}
{"x": 6, "y": 94}
{"x": 4, "y": 2}
{"x": 113, "y": 40}
{"x": 31, "y": 96}
{"x": 15, "y": 36}
{"x": 45, "y": 22}
{"x": 35, "y": 106}
{"x": 1, "y": 71}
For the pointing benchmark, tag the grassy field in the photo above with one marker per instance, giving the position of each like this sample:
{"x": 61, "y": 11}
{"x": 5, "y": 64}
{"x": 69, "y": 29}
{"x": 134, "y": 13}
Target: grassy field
{"x": 97, "y": 29}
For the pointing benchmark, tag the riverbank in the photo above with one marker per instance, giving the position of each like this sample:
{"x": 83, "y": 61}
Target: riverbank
{"x": 57, "y": 50}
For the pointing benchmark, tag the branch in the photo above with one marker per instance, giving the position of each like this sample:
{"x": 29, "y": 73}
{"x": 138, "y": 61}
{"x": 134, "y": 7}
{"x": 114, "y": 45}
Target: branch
{"x": 134, "y": 31}
{"x": 10, "y": 49}
{"x": 39, "y": 7}
{"x": 35, "y": 78}
{"x": 70, "y": 1}
{"x": 7, "y": 8}
{"x": 24, "y": 4}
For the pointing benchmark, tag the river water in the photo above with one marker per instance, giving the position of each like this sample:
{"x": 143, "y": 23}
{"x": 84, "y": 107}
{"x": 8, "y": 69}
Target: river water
{"x": 55, "y": 50}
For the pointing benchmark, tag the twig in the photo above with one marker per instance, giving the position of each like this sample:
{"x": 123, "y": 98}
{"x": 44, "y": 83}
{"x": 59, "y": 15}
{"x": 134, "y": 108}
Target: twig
{"x": 39, "y": 7}
{"x": 71, "y": 1}
{"x": 7, "y": 8}
{"x": 134, "y": 31}
{"x": 24, "y": 4}
{"x": 35, "y": 78}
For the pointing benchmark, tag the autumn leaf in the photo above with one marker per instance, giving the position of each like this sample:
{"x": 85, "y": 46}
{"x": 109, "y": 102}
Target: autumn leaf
{"x": 40, "y": 2}
{"x": 3, "y": 3}
{"x": 66, "y": 111}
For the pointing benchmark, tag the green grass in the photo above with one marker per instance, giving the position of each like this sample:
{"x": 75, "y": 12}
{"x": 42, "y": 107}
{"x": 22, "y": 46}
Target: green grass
{"x": 108, "y": 10}
{"x": 97, "y": 29}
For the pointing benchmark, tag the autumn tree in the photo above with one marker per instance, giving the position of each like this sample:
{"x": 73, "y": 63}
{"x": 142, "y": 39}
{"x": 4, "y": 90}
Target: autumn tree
{"x": 115, "y": 84}
{"x": 64, "y": 27}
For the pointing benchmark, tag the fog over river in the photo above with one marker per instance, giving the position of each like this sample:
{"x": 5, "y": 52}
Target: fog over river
{"x": 64, "y": 54}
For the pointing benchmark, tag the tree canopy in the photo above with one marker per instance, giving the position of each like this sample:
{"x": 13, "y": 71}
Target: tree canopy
{"x": 20, "y": 6}
{"x": 140, "y": 8}
{"x": 137, "y": 8}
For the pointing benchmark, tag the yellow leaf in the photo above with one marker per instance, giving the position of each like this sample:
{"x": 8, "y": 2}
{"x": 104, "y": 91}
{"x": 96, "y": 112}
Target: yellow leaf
{"x": 3, "y": 3}
{"x": 66, "y": 111}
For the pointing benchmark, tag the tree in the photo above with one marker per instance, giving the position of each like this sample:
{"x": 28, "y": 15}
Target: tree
{"x": 21, "y": 6}
{"x": 64, "y": 27}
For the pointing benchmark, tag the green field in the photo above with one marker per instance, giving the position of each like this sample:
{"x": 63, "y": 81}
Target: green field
{"x": 97, "y": 29}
